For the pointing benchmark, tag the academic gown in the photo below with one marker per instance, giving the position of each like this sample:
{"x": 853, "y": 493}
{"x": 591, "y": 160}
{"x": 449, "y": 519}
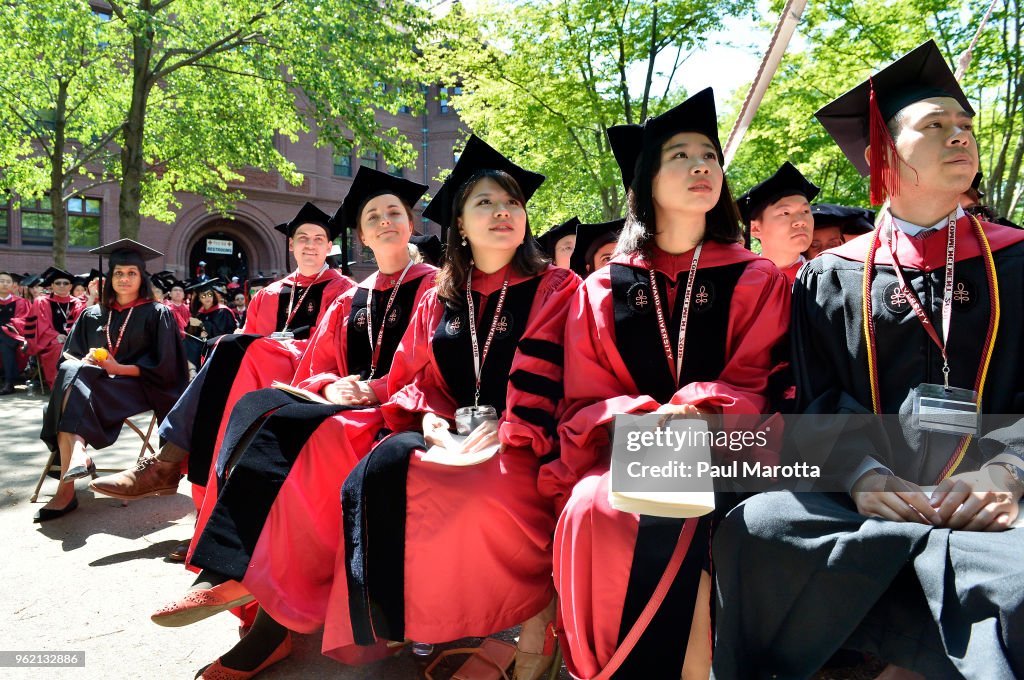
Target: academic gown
{"x": 241, "y": 362}
{"x": 944, "y": 603}
{"x": 98, "y": 403}
{"x": 606, "y": 562}
{"x": 54, "y": 316}
{"x": 216, "y": 321}
{"x": 182, "y": 314}
{"x": 285, "y": 540}
{"x": 435, "y": 553}
{"x": 18, "y": 325}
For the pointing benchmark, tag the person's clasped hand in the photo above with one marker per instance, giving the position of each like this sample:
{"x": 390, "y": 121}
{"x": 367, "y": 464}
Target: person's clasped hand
{"x": 350, "y": 391}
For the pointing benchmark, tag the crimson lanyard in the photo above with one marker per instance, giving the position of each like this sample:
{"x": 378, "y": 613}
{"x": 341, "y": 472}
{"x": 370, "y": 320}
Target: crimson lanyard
{"x": 663, "y": 326}
{"x": 478, "y": 360}
{"x": 947, "y": 291}
{"x": 375, "y": 354}
{"x": 112, "y": 346}
{"x": 291, "y": 296}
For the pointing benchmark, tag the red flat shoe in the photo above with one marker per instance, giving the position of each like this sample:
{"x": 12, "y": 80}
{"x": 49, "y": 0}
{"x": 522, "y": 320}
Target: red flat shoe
{"x": 218, "y": 671}
{"x": 196, "y": 605}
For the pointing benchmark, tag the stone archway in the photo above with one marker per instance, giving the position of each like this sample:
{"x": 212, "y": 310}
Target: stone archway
{"x": 251, "y": 250}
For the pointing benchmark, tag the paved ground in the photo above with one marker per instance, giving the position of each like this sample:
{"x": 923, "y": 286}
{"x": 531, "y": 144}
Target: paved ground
{"x": 89, "y": 581}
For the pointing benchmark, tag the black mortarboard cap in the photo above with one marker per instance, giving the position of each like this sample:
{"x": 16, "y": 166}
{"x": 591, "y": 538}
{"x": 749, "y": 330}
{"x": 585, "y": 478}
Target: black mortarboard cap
{"x": 309, "y": 214}
{"x": 53, "y": 273}
{"x": 920, "y": 74}
{"x": 590, "y": 238}
{"x": 430, "y": 247}
{"x": 368, "y": 184}
{"x": 261, "y": 281}
{"x": 476, "y": 157}
{"x": 696, "y": 114}
{"x": 787, "y": 181}
{"x": 549, "y": 238}
{"x": 211, "y": 284}
{"x": 126, "y": 252}
{"x": 31, "y": 280}
{"x": 849, "y": 220}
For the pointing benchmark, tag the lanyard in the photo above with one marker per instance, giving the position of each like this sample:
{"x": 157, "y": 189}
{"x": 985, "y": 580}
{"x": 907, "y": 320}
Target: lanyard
{"x": 887, "y": 232}
{"x": 291, "y": 296}
{"x": 112, "y": 346}
{"x": 868, "y": 323}
{"x": 478, "y": 360}
{"x": 663, "y": 326}
{"x": 375, "y": 346}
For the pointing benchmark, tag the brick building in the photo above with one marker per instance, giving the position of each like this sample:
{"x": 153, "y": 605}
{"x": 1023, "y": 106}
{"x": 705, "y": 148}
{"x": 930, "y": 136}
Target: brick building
{"x": 246, "y": 242}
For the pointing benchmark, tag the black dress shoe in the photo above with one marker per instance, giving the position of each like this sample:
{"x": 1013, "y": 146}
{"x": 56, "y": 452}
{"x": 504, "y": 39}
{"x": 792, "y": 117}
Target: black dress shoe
{"x": 46, "y": 514}
{"x": 7, "y": 389}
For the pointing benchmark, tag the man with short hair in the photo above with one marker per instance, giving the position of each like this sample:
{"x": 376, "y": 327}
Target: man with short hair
{"x": 778, "y": 213}
{"x": 928, "y": 581}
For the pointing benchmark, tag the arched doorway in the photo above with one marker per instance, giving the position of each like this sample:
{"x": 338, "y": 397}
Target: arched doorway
{"x": 224, "y": 254}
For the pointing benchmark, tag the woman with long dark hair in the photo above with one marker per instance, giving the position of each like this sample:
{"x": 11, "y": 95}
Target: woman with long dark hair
{"x": 128, "y": 359}
{"x": 679, "y": 285}
{"x": 444, "y": 552}
{"x": 210, "y": 319}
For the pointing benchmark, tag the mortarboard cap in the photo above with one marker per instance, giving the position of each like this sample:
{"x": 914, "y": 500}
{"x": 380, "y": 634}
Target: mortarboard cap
{"x": 127, "y": 252}
{"x": 696, "y": 114}
{"x": 53, "y": 273}
{"x": 430, "y": 247}
{"x": 309, "y": 214}
{"x": 32, "y": 280}
{"x": 849, "y": 220}
{"x": 369, "y": 184}
{"x": 211, "y": 284}
{"x": 589, "y": 239}
{"x": 475, "y": 158}
{"x": 787, "y": 181}
{"x": 857, "y": 119}
{"x": 549, "y": 238}
{"x": 261, "y": 281}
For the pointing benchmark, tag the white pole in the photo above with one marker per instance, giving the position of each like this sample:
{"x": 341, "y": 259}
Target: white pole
{"x": 773, "y": 57}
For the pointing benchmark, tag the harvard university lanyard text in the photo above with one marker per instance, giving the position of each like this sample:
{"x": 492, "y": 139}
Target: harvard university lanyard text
{"x": 375, "y": 346}
{"x": 663, "y": 325}
{"x": 478, "y": 359}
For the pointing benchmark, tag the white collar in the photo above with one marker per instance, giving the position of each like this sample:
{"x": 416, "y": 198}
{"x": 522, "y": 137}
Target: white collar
{"x": 914, "y": 229}
{"x": 5, "y": 299}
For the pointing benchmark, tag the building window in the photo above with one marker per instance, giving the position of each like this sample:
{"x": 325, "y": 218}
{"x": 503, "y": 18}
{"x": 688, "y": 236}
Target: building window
{"x": 444, "y": 96}
{"x": 84, "y": 222}
{"x": 36, "y": 223}
{"x": 343, "y": 164}
{"x": 404, "y": 109}
{"x": 394, "y": 170}
{"x": 369, "y": 159}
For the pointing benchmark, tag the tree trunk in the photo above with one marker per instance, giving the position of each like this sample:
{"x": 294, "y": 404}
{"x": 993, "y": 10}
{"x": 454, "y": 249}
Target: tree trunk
{"x": 133, "y": 163}
{"x": 57, "y": 213}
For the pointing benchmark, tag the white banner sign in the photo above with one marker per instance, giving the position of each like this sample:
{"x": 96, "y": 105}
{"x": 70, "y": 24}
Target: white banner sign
{"x": 218, "y": 246}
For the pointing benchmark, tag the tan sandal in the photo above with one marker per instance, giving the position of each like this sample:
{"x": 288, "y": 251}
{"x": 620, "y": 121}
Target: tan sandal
{"x": 533, "y": 666}
{"x": 489, "y": 661}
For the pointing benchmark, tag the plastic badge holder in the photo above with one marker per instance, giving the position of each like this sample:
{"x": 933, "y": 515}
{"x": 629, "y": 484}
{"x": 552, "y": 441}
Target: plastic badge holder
{"x": 950, "y": 410}
{"x": 468, "y": 418}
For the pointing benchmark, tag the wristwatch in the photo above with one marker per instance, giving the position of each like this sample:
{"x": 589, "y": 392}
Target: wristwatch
{"x": 1015, "y": 472}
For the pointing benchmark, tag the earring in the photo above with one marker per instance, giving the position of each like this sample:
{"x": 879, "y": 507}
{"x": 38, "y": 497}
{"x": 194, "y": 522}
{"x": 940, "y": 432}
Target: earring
{"x": 464, "y": 242}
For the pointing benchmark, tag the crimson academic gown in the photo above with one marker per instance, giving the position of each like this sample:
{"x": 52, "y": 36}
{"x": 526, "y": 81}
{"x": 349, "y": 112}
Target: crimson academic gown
{"x": 98, "y": 404}
{"x": 941, "y": 602}
{"x": 289, "y": 535}
{"x": 606, "y": 562}
{"x": 54, "y": 316}
{"x": 182, "y": 314}
{"x": 435, "y": 553}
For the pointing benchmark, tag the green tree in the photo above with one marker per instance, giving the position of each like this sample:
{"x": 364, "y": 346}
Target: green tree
{"x": 59, "y": 106}
{"x": 213, "y": 84}
{"x": 543, "y": 81}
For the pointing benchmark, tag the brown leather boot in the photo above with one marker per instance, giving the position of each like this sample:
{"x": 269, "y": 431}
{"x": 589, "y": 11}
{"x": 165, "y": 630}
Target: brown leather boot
{"x": 151, "y": 477}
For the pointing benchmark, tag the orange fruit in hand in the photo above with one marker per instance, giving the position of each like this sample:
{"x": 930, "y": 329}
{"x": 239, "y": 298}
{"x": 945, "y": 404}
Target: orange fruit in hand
{"x": 100, "y": 354}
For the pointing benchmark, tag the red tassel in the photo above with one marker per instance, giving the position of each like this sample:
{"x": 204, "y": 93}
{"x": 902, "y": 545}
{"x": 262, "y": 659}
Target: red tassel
{"x": 882, "y": 156}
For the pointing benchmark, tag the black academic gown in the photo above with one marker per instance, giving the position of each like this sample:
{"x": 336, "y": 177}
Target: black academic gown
{"x": 98, "y": 404}
{"x": 803, "y": 575}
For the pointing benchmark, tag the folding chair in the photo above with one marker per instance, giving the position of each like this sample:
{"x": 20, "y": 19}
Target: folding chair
{"x": 53, "y": 462}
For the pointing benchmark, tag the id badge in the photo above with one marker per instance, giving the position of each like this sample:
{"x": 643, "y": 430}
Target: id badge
{"x": 282, "y": 335}
{"x": 468, "y": 418}
{"x": 951, "y": 410}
